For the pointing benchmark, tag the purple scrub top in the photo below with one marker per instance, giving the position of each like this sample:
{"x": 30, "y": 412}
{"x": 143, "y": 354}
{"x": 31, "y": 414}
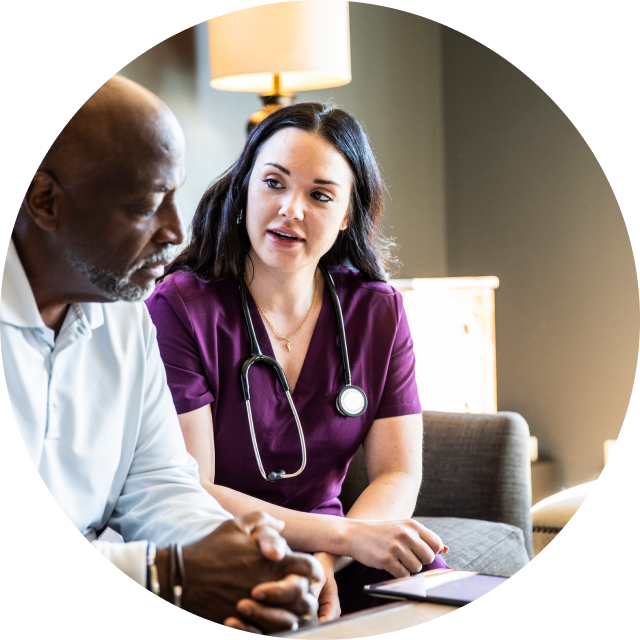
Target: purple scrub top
{"x": 204, "y": 341}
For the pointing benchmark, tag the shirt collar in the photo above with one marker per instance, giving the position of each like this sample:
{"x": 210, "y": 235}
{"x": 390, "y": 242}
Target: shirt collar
{"x": 18, "y": 304}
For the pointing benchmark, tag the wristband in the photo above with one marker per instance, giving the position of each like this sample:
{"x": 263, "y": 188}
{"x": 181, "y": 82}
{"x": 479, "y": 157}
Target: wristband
{"x": 176, "y": 562}
{"x": 153, "y": 583}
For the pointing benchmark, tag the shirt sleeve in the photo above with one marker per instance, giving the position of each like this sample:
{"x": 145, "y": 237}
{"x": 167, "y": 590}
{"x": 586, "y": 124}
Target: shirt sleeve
{"x": 162, "y": 499}
{"x": 400, "y": 394}
{"x": 179, "y": 350}
{"x": 129, "y": 557}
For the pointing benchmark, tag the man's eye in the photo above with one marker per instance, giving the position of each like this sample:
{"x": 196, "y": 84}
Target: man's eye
{"x": 272, "y": 183}
{"x": 321, "y": 197}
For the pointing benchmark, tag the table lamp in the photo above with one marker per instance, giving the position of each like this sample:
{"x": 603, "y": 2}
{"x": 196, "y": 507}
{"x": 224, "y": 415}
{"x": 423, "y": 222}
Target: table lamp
{"x": 277, "y": 49}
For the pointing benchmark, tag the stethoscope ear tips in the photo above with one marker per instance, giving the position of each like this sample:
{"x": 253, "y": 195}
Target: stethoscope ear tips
{"x": 352, "y": 401}
{"x": 276, "y": 475}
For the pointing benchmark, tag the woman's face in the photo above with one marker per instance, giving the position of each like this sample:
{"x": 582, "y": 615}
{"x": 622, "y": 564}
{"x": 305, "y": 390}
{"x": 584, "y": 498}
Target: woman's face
{"x": 298, "y": 198}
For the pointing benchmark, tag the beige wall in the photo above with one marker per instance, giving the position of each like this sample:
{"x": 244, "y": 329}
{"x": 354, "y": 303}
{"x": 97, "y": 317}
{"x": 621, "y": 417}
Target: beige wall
{"x": 528, "y": 202}
{"x": 517, "y": 194}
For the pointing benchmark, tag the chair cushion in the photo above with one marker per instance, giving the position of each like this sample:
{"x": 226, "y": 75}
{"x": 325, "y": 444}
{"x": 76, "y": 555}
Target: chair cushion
{"x": 478, "y": 545}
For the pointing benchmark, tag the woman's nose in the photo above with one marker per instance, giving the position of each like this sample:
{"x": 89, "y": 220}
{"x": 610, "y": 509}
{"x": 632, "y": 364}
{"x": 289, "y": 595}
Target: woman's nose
{"x": 293, "y": 207}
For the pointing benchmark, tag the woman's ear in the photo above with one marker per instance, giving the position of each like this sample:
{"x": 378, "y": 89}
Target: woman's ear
{"x": 347, "y": 216}
{"x": 41, "y": 201}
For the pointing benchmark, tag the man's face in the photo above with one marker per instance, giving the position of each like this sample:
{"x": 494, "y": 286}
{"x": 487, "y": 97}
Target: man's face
{"x": 121, "y": 221}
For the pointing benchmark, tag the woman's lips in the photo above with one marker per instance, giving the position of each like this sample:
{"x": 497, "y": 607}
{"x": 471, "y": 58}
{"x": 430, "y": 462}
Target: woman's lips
{"x": 282, "y": 238}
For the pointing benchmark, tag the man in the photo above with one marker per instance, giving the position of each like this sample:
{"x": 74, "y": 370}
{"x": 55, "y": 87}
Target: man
{"x": 86, "y": 382}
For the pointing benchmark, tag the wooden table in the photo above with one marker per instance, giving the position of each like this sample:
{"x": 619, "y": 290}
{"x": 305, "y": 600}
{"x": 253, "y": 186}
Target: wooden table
{"x": 372, "y": 622}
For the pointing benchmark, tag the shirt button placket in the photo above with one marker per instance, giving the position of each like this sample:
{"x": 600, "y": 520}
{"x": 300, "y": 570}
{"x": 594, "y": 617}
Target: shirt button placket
{"x": 53, "y": 424}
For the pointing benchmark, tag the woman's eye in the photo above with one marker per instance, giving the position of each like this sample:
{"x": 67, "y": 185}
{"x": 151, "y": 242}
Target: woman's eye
{"x": 272, "y": 183}
{"x": 321, "y": 197}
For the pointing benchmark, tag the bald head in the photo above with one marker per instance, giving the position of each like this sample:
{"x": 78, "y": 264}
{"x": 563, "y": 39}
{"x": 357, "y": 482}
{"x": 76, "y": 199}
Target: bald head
{"x": 100, "y": 218}
{"x": 122, "y": 116}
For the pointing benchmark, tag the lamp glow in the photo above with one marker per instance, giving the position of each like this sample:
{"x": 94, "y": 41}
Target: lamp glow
{"x": 608, "y": 449}
{"x": 283, "y": 47}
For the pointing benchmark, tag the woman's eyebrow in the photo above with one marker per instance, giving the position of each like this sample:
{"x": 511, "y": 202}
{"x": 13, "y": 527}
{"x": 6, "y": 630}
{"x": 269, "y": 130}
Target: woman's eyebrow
{"x": 288, "y": 173}
{"x": 278, "y": 166}
{"x": 318, "y": 181}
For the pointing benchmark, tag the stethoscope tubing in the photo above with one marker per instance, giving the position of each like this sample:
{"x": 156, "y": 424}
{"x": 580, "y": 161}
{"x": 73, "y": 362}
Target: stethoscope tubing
{"x": 341, "y": 334}
{"x": 258, "y": 356}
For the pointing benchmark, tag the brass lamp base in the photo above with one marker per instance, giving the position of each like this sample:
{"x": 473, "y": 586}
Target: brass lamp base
{"x": 271, "y": 103}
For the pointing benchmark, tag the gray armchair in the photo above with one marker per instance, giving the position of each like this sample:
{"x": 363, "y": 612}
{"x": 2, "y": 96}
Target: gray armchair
{"x": 476, "y": 489}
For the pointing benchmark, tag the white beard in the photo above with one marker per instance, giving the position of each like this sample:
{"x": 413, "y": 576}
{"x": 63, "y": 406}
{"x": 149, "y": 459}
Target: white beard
{"x": 117, "y": 286}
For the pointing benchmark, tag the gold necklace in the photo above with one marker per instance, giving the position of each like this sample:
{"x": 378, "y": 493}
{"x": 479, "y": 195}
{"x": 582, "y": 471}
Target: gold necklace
{"x": 266, "y": 317}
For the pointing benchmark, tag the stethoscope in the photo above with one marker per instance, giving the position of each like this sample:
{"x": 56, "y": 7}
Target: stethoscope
{"x": 350, "y": 402}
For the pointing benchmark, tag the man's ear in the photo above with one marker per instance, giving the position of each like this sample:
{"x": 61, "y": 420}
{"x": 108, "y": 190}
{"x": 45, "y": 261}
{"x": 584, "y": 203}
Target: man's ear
{"x": 42, "y": 201}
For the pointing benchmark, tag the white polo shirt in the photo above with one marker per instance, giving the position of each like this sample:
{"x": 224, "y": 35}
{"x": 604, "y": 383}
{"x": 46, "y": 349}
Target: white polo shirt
{"x": 98, "y": 420}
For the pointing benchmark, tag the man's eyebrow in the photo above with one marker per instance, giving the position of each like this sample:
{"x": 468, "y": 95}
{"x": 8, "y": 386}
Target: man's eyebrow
{"x": 163, "y": 188}
{"x": 288, "y": 173}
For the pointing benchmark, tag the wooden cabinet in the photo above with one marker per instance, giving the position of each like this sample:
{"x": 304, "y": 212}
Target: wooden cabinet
{"x": 452, "y": 323}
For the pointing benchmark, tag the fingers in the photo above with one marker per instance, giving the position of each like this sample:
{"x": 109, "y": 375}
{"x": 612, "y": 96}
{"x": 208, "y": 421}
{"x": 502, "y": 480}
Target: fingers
{"x": 265, "y": 529}
{"x": 329, "y": 601}
{"x": 329, "y": 611}
{"x": 236, "y": 623}
{"x": 272, "y": 545}
{"x": 417, "y": 546}
{"x": 397, "y": 569}
{"x": 431, "y": 538}
{"x": 303, "y": 565}
{"x": 413, "y": 559}
{"x": 291, "y": 593}
{"x": 289, "y": 589}
{"x": 250, "y": 521}
{"x": 269, "y": 619}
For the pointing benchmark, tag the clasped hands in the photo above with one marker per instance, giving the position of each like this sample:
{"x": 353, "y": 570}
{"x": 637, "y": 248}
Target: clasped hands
{"x": 244, "y": 575}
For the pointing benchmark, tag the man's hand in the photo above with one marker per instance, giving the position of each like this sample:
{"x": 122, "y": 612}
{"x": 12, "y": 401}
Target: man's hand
{"x": 264, "y": 608}
{"x": 244, "y": 573}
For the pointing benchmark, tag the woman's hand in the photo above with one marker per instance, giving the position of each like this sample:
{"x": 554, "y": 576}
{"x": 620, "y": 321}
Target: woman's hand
{"x": 327, "y": 591}
{"x": 400, "y": 547}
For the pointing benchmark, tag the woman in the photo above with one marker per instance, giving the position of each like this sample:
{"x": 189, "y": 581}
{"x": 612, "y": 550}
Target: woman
{"x": 305, "y": 188}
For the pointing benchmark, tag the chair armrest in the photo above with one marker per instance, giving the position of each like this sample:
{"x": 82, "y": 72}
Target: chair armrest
{"x": 477, "y": 466}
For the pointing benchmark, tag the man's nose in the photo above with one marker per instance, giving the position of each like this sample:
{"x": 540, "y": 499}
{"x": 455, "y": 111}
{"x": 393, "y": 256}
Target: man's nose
{"x": 171, "y": 230}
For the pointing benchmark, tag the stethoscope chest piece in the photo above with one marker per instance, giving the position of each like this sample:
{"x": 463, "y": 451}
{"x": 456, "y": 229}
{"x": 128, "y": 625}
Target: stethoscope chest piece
{"x": 351, "y": 401}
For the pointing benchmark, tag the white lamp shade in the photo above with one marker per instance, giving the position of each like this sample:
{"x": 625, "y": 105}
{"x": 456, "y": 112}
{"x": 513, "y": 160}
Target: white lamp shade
{"x": 306, "y": 42}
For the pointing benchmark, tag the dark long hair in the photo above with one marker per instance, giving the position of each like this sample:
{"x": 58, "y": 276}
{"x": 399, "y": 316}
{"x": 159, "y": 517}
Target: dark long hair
{"x": 219, "y": 245}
